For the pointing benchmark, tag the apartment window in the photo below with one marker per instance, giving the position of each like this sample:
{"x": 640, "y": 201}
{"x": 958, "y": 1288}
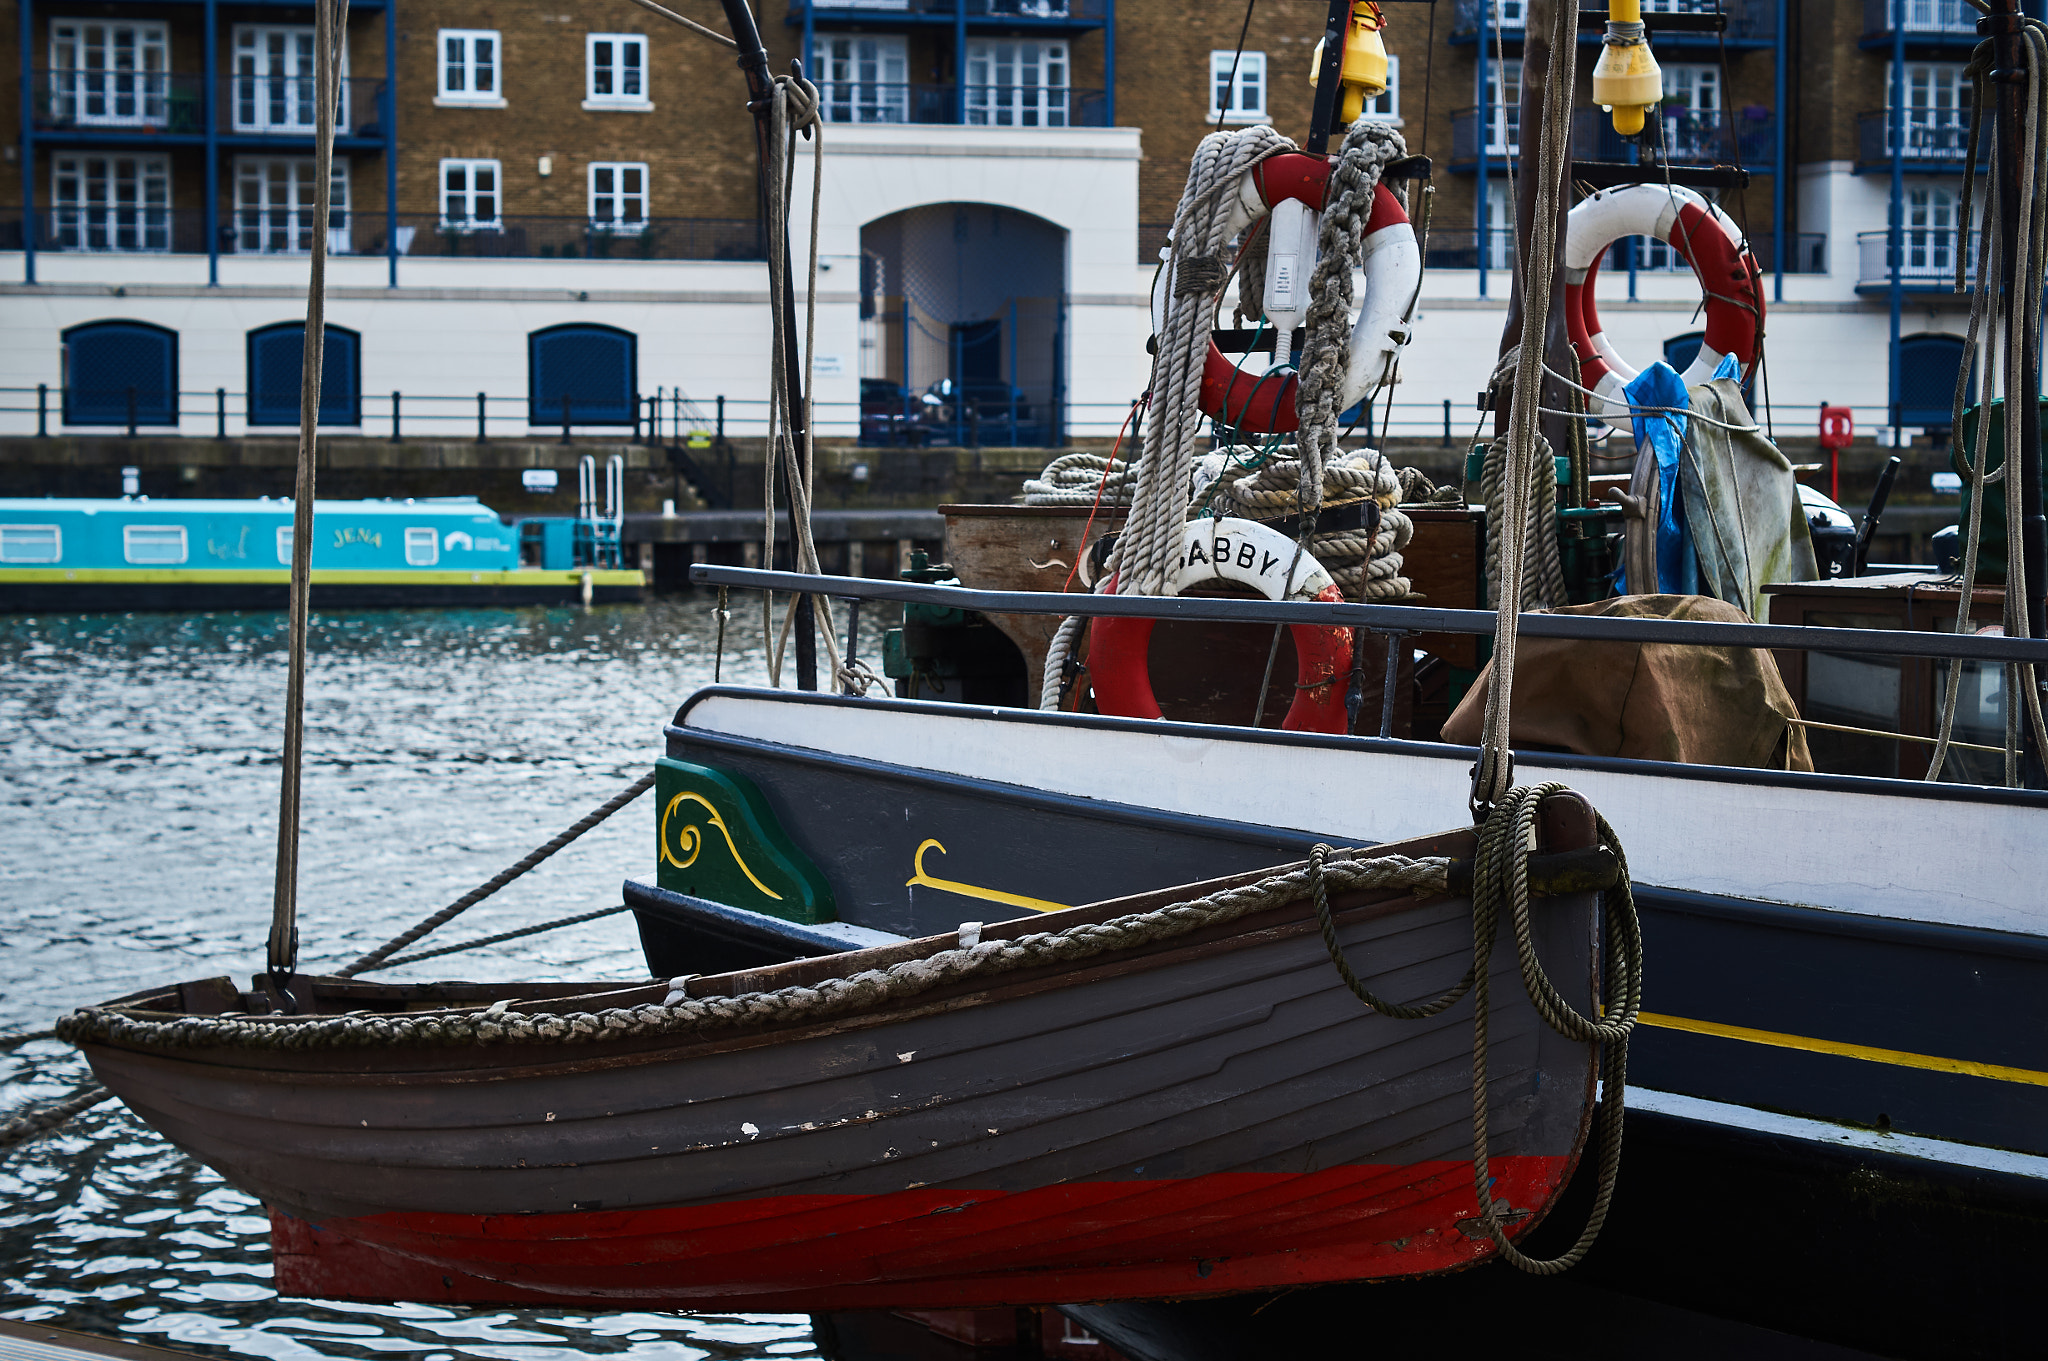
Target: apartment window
{"x": 1930, "y": 221}
{"x": 110, "y": 74}
{"x": 1386, "y": 105}
{"x": 1017, "y": 84}
{"x": 1503, "y": 103}
{"x": 277, "y": 359}
{"x": 469, "y": 68}
{"x": 275, "y": 209}
{"x": 865, "y": 80}
{"x": 618, "y": 195}
{"x": 31, "y": 543}
{"x": 272, "y": 85}
{"x": 617, "y": 71}
{"x": 422, "y": 547}
{"x": 1499, "y": 247}
{"x": 153, "y": 545}
{"x": 1242, "y": 98}
{"x": 470, "y": 193}
{"x": 110, "y": 203}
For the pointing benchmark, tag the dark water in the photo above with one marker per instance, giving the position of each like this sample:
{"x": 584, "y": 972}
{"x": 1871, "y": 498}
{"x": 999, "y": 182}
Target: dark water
{"x": 138, "y": 807}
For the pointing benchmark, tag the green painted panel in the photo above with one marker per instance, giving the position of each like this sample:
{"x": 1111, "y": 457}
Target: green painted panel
{"x": 717, "y": 838}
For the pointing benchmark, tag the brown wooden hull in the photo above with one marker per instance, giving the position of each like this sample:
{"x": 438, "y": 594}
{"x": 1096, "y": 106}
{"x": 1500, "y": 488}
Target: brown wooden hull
{"x": 1206, "y": 1114}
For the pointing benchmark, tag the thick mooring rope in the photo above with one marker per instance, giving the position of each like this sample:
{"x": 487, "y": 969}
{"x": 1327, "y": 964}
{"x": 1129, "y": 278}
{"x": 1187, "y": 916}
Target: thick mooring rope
{"x": 42, "y": 1119}
{"x": 693, "y": 1016}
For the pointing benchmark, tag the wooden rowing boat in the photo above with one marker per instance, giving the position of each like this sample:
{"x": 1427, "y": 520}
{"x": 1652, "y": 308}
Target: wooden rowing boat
{"x": 1200, "y": 1113}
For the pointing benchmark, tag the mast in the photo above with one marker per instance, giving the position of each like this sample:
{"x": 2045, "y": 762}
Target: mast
{"x": 753, "y": 61}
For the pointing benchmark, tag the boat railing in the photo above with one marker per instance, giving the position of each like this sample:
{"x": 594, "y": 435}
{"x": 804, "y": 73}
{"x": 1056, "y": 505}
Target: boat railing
{"x": 1393, "y": 620}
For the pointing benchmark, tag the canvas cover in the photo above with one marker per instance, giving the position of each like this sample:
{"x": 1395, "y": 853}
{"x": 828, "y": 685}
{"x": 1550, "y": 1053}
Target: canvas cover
{"x": 1722, "y": 706}
{"x": 1741, "y": 503}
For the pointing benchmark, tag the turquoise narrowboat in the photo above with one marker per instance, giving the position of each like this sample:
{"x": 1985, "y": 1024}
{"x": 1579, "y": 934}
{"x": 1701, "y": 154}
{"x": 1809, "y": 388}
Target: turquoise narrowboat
{"x": 134, "y": 553}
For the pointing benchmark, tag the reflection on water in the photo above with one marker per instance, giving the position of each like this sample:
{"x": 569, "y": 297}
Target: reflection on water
{"x": 138, "y": 774}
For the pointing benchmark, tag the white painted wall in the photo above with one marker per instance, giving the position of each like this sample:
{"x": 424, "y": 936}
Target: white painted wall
{"x": 454, "y": 326}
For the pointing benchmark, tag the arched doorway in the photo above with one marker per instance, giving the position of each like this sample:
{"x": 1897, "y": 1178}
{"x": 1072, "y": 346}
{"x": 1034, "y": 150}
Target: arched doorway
{"x": 963, "y": 309}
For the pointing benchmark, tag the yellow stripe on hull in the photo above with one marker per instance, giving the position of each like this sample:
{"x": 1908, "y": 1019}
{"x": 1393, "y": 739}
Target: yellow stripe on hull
{"x": 1900, "y": 1058}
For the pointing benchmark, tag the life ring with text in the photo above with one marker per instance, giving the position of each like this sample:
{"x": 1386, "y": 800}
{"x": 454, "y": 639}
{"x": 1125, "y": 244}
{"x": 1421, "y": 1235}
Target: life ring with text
{"x": 1701, "y": 235}
{"x": 1245, "y": 553}
{"x": 1392, "y": 262}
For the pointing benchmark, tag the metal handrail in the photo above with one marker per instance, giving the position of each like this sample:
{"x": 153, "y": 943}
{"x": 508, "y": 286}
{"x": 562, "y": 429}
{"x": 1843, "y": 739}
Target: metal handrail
{"x": 1403, "y": 619}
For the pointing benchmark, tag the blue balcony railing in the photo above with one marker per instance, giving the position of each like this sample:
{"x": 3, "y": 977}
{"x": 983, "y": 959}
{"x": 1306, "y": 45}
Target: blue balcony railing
{"x": 1926, "y": 257}
{"x": 990, "y": 106}
{"x": 1688, "y": 136}
{"x": 126, "y": 104}
{"x": 1748, "y": 20}
{"x": 878, "y": 11}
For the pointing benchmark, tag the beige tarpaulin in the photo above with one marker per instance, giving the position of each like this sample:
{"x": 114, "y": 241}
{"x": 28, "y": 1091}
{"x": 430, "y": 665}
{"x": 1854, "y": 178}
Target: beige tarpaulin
{"x": 1722, "y": 706}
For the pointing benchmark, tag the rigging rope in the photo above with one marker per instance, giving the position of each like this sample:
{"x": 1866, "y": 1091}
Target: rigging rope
{"x": 282, "y": 953}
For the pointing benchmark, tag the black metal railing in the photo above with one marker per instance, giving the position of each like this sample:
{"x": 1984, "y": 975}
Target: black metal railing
{"x": 1925, "y": 256}
{"x": 1748, "y": 20}
{"x": 1683, "y": 136}
{"x": 1921, "y": 18}
{"x": 1932, "y": 136}
{"x": 1083, "y": 11}
{"x": 995, "y": 106}
{"x": 533, "y": 237}
{"x": 123, "y": 104}
{"x": 1458, "y": 248}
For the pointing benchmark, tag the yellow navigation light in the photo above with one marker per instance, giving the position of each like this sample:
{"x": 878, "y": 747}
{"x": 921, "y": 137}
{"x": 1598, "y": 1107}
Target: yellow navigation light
{"x": 1626, "y": 81}
{"x": 1364, "y": 74}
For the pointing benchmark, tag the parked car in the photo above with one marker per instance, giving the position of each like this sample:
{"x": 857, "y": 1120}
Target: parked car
{"x": 888, "y": 415}
{"x": 979, "y": 411}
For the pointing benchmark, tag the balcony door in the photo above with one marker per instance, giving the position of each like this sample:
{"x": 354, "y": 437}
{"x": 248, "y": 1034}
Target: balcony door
{"x": 274, "y": 207}
{"x": 1502, "y": 101}
{"x": 866, "y": 80}
{"x": 1937, "y": 113}
{"x": 1691, "y": 112}
{"x": 110, "y": 74}
{"x": 272, "y": 87}
{"x": 1930, "y": 219}
{"x": 1017, "y": 84}
{"x": 110, "y": 202}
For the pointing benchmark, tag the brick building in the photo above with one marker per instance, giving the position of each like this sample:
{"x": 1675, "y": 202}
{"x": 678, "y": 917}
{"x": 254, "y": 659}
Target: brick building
{"x": 533, "y": 204}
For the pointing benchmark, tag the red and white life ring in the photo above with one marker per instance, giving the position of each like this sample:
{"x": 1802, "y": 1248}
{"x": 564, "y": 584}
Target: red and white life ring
{"x": 1246, "y": 553}
{"x": 1705, "y": 238}
{"x": 1392, "y": 262}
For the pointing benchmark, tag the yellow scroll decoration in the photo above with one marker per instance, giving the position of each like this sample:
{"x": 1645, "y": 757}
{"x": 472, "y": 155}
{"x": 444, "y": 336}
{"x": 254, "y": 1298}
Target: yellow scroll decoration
{"x": 692, "y": 840}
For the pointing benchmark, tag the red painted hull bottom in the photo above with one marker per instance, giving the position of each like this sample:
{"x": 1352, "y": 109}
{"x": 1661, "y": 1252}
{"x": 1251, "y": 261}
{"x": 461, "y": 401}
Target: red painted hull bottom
{"x": 920, "y": 1248}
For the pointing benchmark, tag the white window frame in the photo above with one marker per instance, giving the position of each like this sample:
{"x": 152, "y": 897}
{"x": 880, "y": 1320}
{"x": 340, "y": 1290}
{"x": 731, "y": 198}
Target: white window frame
{"x": 614, "y": 221}
{"x": 1385, "y": 107}
{"x": 866, "y": 78}
{"x": 31, "y": 536}
{"x": 466, "y": 68}
{"x": 1498, "y": 250}
{"x": 468, "y": 220}
{"x": 1928, "y": 225}
{"x": 422, "y": 546}
{"x": 109, "y": 94}
{"x": 616, "y": 74}
{"x": 1251, "y": 69}
{"x": 261, "y": 99}
{"x": 265, "y": 227}
{"x": 1019, "y": 83}
{"x": 110, "y": 201}
{"x": 128, "y": 545}
{"x": 1500, "y": 104}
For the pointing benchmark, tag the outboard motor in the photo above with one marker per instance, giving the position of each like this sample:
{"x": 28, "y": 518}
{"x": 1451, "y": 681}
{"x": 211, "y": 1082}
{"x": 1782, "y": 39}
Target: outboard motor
{"x": 1834, "y": 533}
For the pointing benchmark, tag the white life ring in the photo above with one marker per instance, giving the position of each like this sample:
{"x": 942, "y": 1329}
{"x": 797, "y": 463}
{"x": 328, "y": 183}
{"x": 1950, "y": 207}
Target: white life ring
{"x": 1392, "y": 263}
{"x": 1702, "y": 235}
{"x": 1244, "y": 553}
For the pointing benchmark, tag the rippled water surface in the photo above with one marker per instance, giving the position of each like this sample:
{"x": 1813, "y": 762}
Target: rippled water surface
{"x": 138, "y": 822}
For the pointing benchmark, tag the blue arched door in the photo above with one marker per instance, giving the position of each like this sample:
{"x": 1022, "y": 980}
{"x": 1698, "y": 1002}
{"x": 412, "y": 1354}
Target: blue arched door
{"x": 277, "y": 357}
{"x": 591, "y": 373}
{"x": 1928, "y": 365}
{"x": 117, "y": 369}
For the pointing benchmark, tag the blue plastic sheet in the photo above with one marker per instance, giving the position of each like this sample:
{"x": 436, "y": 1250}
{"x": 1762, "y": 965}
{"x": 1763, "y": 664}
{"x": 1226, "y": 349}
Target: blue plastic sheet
{"x": 1678, "y": 569}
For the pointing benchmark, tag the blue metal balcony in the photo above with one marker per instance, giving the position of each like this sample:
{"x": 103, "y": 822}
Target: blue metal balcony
{"x": 986, "y": 106}
{"x": 981, "y": 16}
{"x": 155, "y": 108}
{"x": 1713, "y": 137}
{"x": 1928, "y": 24}
{"x": 1937, "y": 142}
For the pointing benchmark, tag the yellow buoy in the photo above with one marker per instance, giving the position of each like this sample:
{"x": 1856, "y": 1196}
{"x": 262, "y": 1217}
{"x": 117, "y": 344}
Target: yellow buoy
{"x": 1626, "y": 80}
{"x": 1364, "y": 74}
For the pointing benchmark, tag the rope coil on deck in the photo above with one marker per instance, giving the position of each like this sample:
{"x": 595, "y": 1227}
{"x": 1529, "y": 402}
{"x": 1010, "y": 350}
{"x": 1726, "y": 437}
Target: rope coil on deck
{"x": 831, "y": 998}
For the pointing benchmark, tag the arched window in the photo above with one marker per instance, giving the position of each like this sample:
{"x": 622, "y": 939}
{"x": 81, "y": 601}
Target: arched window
{"x": 591, "y": 371}
{"x": 1680, "y": 351}
{"x": 1927, "y": 378}
{"x": 113, "y": 366}
{"x": 277, "y": 357}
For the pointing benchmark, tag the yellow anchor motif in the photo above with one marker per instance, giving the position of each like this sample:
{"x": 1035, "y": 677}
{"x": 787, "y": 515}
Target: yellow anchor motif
{"x": 989, "y": 895}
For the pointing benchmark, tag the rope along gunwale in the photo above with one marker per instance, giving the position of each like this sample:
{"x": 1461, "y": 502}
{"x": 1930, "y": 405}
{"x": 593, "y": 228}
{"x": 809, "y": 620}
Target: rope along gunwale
{"x": 1501, "y": 874}
{"x": 798, "y": 1004}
